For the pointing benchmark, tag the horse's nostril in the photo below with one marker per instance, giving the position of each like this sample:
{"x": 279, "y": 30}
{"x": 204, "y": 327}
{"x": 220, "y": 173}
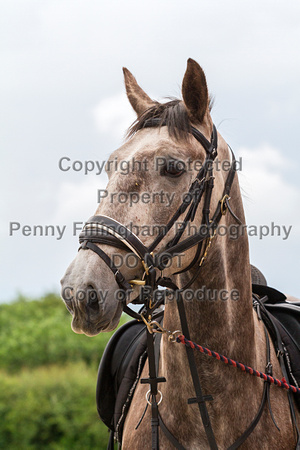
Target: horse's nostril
{"x": 92, "y": 294}
{"x": 92, "y": 299}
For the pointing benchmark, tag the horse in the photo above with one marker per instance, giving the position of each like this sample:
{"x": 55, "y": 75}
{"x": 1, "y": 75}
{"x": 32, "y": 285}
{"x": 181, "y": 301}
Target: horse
{"x": 166, "y": 149}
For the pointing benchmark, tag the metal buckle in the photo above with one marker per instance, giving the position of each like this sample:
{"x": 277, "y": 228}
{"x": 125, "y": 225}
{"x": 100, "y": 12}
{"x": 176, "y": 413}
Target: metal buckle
{"x": 269, "y": 368}
{"x": 159, "y": 329}
{"x": 208, "y": 245}
{"x": 160, "y": 400}
{"x": 137, "y": 282}
{"x": 279, "y": 353}
{"x": 223, "y": 204}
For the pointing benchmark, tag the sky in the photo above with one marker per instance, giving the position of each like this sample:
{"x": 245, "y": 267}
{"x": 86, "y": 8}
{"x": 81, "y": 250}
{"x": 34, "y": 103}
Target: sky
{"x": 62, "y": 95}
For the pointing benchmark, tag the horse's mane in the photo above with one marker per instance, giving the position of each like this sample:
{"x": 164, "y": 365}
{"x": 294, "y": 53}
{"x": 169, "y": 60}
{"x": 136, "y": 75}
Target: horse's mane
{"x": 173, "y": 114}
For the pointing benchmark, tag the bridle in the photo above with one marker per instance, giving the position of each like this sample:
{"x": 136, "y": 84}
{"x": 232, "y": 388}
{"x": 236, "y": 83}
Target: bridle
{"x": 105, "y": 230}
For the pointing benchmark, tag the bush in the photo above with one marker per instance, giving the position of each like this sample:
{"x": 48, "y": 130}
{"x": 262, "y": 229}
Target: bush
{"x": 48, "y": 379}
{"x": 50, "y": 408}
{"x": 38, "y": 332}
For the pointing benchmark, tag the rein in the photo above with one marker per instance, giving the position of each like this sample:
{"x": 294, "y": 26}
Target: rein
{"x": 105, "y": 230}
{"x": 246, "y": 369}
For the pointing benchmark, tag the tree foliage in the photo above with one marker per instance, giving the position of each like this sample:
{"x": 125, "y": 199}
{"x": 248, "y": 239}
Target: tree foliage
{"x": 48, "y": 379}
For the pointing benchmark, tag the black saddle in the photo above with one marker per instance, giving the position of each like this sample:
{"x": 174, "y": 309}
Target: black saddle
{"x": 126, "y": 352}
{"x": 282, "y": 320}
{"x": 119, "y": 371}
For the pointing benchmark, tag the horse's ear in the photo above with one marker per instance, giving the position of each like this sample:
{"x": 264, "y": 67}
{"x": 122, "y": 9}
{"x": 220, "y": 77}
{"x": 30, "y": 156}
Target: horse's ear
{"x": 194, "y": 91}
{"x": 138, "y": 99}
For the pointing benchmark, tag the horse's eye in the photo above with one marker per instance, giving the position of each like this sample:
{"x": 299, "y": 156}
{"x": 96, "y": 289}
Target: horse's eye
{"x": 174, "y": 168}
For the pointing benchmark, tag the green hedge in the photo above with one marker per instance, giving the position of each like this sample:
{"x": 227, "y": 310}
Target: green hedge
{"x": 38, "y": 332}
{"x": 48, "y": 378}
{"x": 50, "y": 408}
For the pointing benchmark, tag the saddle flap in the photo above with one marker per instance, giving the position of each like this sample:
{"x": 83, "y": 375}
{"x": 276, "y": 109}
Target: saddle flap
{"x": 289, "y": 317}
{"x": 128, "y": 385}
{"x": 273, "y": 295}
{"x": 286, "y": 317}
{"x": 119, "y": 354}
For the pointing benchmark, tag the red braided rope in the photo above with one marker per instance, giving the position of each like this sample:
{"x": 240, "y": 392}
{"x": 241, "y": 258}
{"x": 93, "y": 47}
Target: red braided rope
{"x": 280, "y": 383}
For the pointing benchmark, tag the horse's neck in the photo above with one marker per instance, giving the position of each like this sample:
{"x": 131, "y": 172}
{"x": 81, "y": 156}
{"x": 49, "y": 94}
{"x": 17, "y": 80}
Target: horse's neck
{"x": 226, "y": 311}
{"x": 224, "y": 325}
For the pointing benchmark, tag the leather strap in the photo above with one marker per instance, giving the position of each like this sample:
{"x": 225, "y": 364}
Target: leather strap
{"x": 110, "y": 445}
{"x": 118, "y": 276}
{"x": 211, "y": 153}
{"x": 254, "y": 422}
{"x": 265, "y": 397}
{"x": 153, "y": 381}
{"x": 116, "y": 229}
{"x": 187, "y": 243}
{"x": 102, "y": 238}
{"x": 169, "y": 435}
{"x": 193, "y": 368}
{"x": 207, "y": 228}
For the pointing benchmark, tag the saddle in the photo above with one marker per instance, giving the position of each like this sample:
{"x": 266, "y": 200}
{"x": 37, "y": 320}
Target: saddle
{"x": 126, "y": 352}
{"x": 119, "y": 371}
{"x": 282, "y": 320}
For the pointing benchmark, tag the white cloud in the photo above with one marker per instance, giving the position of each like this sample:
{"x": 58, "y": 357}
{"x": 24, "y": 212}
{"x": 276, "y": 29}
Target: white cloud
{"x": 60, "y": 56}
{"x": 113, "y": 115}
{"x": 268, "y": 194}
{"x": 77, "y": 201}
{"x": 265, "y": 155}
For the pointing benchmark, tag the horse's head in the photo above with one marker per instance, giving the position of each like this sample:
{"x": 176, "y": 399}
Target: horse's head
{"x": 148, "y": 179}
